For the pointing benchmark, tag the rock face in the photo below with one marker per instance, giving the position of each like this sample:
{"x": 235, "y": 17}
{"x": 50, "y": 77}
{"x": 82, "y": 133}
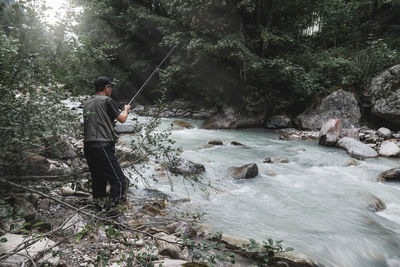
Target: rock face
{"x": 392, "y": 175}
{"x": 340, "y": 104}
{"x": 230, "y": 119}
{"x": 186, "y": 167}
{"x": 330, "y": 132}
{"x": 246, "y": 171}
{"x": 278, "y": 122}
{"x": 356, "y": 148}
{"x": 389, "y": 149}
{"x": 383, "y": 95}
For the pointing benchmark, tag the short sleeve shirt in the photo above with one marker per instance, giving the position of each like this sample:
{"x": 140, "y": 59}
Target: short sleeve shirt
{"x": 112, "y": 109}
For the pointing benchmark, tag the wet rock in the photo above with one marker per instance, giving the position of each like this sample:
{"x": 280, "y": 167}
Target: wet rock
{"x": 382, "y": 95}
{"x": 392, "y": 175}
{"x": 330, "y": 132}
{"x": 375, "y": 204}
{"x": 353, "y": 162}
{"x": 246, "y": 171}
{"x": 278, "y": 122}
{"x": 276, "y": 160}
{"x": 125, "y": 128}
{"x": 182, "y": 124}
{"x": 207, "y": 146}
{"x": 236, "y": 143}
{"x": 295, "y": 135}
{"x": 181, "y": 228}
{"x": 215, "y": 142}
{"x": 230, "y": 119}
{"x": 384, "y": 132}
{"x": 186, "y": 167}
{"x": 174, "y": 251}
{"x": 356, "y": 148}
{"x": 389, "y": 149}
{"x": 25, "y": 209}
{"x": 340, "y": 104}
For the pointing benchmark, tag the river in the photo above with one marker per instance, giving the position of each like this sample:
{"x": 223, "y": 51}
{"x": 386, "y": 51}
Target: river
{"x": 316, "y": 203}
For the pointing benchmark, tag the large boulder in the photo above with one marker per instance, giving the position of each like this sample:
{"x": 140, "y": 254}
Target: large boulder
{"x": 186, "y": 167}
{"x": 382, "y": 95}
{"x": 330, "y": 132}
{"x": 35, "y": 164}
{"x": 340, "y": 104}
{"x": 389, "y": 149}
{"x": 392, "y": 175}
{"x": 356, "y": 148}
{"x": 384, "y": 132}
{"x": 230, "y": 119}
{"x": 278, "y": 122}
{"x": 246, "y": 171}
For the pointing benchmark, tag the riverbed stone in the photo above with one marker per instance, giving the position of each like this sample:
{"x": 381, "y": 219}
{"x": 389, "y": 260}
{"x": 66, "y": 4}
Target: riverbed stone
{"x": 25, "y": 209}
{"x": 181, "y": 228}
{"x": 389, "y": 149}
{"x": 182, "y": 124}
{"x": 36, "y": 165}
{"x": 235, "y": 143}
{"x": 172, "y": 250}
{"x": 351, "y": 132}
{"x": 382, "y": 95}
{"x": 384, "y": 132}
{"x": 356, "y": 148}
{"x": 375, "y": 204}
{"x": 245, "y": 172}
{"x": 278, "y": 122}
{"x": 59, "y": 148}
{"x": 340, "y": 104}
{"x": 186, "y": 167}
{"x": 330, "y": 132}
{"x": 392, "y": 175}
{"x": 215, "y": 142}
{"x": 276, "y": 160}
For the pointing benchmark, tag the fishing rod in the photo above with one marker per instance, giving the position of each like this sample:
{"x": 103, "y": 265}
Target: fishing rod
{"x": 151, "y": 75}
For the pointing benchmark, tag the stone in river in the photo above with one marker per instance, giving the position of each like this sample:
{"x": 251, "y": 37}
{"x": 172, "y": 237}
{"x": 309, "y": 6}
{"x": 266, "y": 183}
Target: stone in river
{"x": 276, "y": 160}
{"x": 246, "y": 171}
{"x": 389, "y": 149}
{"x": 392, "y": 175}
{"x": 384, "y": 132}
{"x": 375, "y": 204}
{"x": 356, "y": 148}
{"x": 186, "y": 167}
{"x": 235, "y": 143}
{"x": 215, "y": 142}
{"x": 182, "y": 124}
{"x": 330, "y": 132}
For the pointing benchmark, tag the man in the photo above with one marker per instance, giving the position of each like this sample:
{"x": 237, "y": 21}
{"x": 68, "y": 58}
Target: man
{"x": 100, "y": 113}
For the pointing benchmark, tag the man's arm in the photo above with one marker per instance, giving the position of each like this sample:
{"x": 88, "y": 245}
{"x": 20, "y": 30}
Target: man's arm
{"x": 124, "y": 114}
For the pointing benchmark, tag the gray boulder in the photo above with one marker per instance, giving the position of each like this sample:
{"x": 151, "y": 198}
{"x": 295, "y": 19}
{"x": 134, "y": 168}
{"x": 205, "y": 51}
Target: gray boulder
{"x": 186, "y": 167}
{"x": 392, "y": 175}
{"x": 383, "y": 95}
{"x": 384, "y": 132}
{"x": 278, "y": 122}
{"x": 356, "y": 148}
{"x": 340, "y": 104}
{"x": 389, "y": 149}
{"x": 330, "y": 132}
{"x": 246, "y": 171}
{"x": 127, "y": 128}
{"x": 59, "y": 148}
{"x": 230, "y": 119}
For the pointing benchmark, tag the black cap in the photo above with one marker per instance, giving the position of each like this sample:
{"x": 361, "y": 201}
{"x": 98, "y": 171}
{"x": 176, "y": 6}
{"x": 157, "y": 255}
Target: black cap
{"x": 102, "y": 81}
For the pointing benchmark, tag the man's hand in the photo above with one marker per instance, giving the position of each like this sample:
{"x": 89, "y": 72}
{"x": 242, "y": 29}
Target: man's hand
{"x": 124, "y": 114}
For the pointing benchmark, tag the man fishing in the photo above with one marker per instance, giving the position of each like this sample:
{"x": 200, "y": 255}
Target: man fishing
{"x": 100, "y": 113}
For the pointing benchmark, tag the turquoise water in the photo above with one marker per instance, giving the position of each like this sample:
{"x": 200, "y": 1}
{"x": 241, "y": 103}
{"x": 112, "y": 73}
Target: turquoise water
{"x": 316, "y": 203}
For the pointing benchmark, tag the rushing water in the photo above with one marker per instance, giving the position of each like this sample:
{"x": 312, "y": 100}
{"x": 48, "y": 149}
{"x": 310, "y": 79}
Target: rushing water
{"x": 316, "y": 203}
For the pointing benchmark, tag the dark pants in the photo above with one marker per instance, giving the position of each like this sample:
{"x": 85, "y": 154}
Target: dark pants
{"x": 103, "y": 167}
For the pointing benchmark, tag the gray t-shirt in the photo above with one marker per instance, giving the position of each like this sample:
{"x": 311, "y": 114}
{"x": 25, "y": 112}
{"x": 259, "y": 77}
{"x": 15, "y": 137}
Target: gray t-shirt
{"x": 100, "y": 113}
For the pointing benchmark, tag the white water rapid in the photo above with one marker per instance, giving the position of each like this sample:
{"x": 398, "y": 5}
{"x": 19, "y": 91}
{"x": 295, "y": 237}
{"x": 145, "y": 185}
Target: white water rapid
{"x": 316, "y": 203}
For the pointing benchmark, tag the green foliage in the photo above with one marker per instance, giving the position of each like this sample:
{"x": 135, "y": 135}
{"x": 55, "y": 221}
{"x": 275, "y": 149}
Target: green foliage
{"x": 265, "y": 251}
